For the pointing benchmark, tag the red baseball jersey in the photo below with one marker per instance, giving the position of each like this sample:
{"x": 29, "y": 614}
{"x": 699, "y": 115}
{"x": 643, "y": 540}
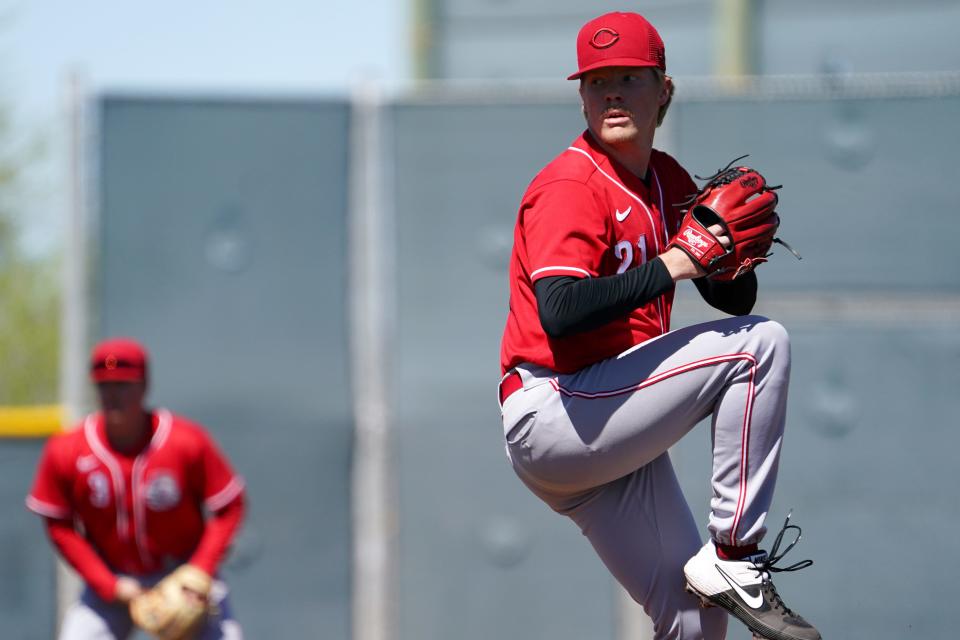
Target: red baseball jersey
{"x": 141, "y": 513}
{"x": 586, "y": 216}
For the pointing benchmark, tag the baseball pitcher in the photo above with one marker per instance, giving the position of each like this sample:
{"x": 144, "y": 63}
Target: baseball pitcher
{"x": 596, "y": 386}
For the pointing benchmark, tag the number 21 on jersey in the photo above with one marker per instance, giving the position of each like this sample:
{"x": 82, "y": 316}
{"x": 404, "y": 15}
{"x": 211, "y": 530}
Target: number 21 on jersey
{"x": 624, "y": 253}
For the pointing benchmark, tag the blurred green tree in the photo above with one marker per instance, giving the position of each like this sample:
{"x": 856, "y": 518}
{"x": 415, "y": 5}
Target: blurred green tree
{"x": 29, "y": 290}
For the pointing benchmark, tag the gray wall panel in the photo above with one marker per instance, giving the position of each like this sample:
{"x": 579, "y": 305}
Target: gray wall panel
{"x": 538, "y": 46}
{"x": 868, "y": 469}
{"x": 222, "y": 246}
{"x": 479, "y": 557}
{"x": 867, "y": 451}
{"x": 536, "y": 38}
{"x": 27, "y": 568}
{"x": 863, "y": 184}
{"x": 857, "y": 36}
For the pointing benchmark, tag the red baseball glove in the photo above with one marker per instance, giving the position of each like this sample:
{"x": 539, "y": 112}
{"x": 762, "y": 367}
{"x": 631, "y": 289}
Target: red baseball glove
{"x": 739, "y": 200}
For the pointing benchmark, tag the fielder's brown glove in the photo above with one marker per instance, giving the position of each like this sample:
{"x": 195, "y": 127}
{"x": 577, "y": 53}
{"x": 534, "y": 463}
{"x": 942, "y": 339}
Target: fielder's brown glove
{"x": 176, "y": 607}
{"x": 739, "y": 200}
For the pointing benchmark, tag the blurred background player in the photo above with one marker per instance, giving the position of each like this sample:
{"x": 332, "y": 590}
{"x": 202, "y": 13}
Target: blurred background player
{"x": 132, "y": 493}
{"x": 596, "y": 387}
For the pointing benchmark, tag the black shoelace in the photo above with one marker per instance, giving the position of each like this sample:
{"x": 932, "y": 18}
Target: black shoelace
{"x": 766, "y": 567}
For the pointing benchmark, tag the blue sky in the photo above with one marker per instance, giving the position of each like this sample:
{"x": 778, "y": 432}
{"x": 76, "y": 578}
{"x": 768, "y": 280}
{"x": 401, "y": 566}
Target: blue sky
{"x": 196, "y": 46}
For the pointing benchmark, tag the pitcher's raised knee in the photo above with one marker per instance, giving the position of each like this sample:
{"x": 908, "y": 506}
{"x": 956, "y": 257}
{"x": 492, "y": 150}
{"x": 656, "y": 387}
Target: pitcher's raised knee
{"x": 774, "y": 340}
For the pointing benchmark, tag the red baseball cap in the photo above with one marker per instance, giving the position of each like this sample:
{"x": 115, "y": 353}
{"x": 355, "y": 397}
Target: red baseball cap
{"x": 619, "y": 40}
{"x": 118, "y": 360}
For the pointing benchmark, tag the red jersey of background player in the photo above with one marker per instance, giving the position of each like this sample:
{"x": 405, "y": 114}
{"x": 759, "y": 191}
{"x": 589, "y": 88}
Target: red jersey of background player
{"x": 140, "y": 512}
{"x": 586, "y": 216}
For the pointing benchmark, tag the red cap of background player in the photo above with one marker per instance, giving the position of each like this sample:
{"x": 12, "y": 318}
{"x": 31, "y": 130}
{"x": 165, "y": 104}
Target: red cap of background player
{"x": 619, "y": 40}
{"x": 118, "y": 359}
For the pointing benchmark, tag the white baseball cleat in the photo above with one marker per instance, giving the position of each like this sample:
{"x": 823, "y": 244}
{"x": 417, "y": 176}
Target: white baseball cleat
{"x": 744, "y": 588}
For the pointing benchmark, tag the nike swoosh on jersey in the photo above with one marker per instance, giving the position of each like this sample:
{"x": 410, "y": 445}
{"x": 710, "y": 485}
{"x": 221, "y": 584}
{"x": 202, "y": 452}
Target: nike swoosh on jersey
{"x": 754, "y": 602}
{"x": 623, "y": 216}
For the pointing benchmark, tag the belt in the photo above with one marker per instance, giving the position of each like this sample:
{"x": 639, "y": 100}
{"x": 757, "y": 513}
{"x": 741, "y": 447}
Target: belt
{"x": 510, "y": 385}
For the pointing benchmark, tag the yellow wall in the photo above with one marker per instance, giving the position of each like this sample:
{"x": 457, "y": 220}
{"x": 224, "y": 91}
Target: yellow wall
{"x": 31, "y": 422}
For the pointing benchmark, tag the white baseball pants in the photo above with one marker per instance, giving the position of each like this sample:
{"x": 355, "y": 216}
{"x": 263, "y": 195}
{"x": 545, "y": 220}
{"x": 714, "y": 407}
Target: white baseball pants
{"x": 593, "y": 446}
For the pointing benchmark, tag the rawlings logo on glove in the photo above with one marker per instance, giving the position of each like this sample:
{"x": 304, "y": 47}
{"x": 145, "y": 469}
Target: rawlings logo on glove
{"x": 176, "y": 607}
{"x": 694, "y": 241}
{"x": 739, "y": 200}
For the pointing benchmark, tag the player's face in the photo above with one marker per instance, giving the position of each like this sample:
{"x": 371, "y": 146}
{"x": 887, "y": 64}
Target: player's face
{"x": 121, "y": 402}
{"x": 621, "y": 103}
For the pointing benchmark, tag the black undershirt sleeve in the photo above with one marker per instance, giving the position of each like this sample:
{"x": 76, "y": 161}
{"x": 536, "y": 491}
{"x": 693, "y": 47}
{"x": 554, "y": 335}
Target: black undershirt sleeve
{"x": 569, "y": 305}
{"x": 735, "y": 297}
